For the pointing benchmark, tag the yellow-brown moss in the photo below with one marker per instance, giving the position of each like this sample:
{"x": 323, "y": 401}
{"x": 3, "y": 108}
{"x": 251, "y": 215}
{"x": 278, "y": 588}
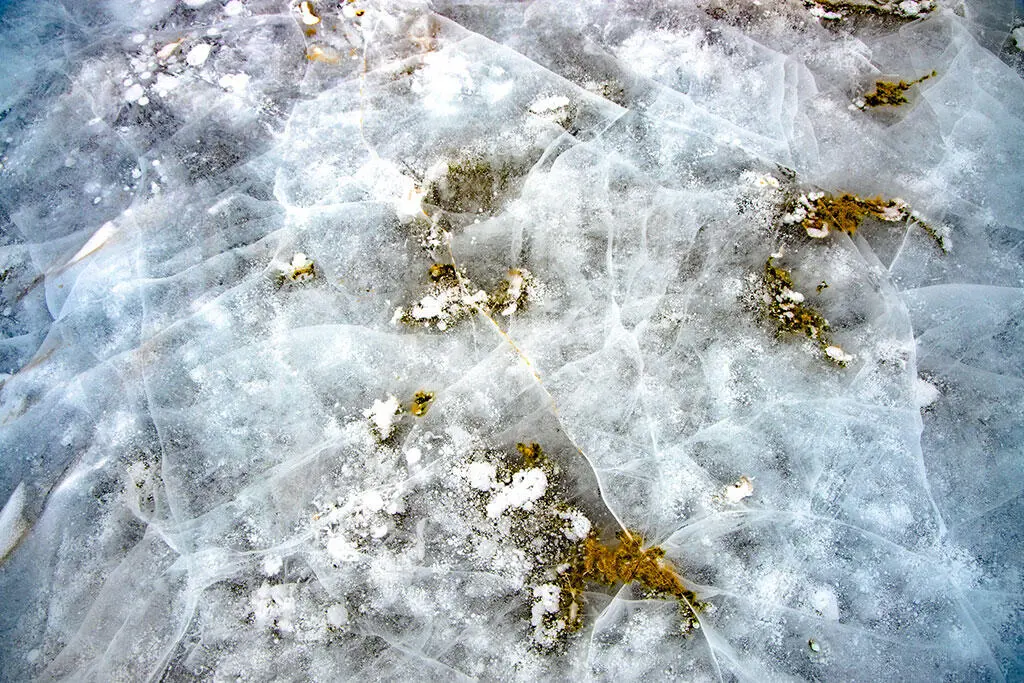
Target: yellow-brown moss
{"x": 421, "y": 403}
{"x": 574, "y": 558}
{"x": 514, "y": 292}
{"x": 840, "y": 9}
{"x": 444, "y": 273}
{"x": 451, "y": 297}
{"x": 532, "y": 454}
{"x": 624, "y": 562}
{"x": 890, "y": 93}
{"x": 299, "y": 270}
{"x": 819, "y": 213}
{"x": 784, "y": 306}
{"x": 475, "y": 185}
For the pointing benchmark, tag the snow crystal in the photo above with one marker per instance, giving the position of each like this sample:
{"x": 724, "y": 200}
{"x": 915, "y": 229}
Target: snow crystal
{"x": 740, "y": 489}
{"x": 337, "y": 615}
{"x": 12, "y": 523}
{"x": 384, "y": 415}
{"x": 481, "y": 475}
{"x": 579, "y": 525}
{"x": 198, "y": 55}
{"x": 527, "y": 487}
{"x": 838, "y": 355}
{"x": 925, "y": 393}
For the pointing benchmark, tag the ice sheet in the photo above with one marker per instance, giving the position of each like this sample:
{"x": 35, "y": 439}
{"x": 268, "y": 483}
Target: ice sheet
{"x": 233, "y": 239}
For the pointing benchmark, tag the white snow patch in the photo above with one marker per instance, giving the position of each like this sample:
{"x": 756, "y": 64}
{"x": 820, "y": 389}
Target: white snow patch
{"x": 165, "y": 84}
{"x": 838, "y": 355}
{"x": 372, "y": 501}
{"x": 817, "y": 233}
{"x": 793, "y": 295}
{"x": 12, "y": 523}
{"x": 341, "y": 550}
{"x": 274, "y": 606}
{"x": 198, "y": 55}
{"x": 337, "y": 615}
{"x": 925, "y": 393}
{"x": 554, "y": 108}
{"x": 409, "y": 203}
{"x": 545, "y": 601}
{"x": 1018, "y": 37}
{"x": 910, "y": 8}
{"x": 272, "y": 564}
{"x": 826, "y": 603}
{"x": 546, "y": 598}
{"x": 383, "y": 415}
{"x": 236, "y": 83}
{"x": 429, "y": 307}
{"x": 134, "y": 93}
{"x": 578, "y": 527}
{"x": 739, "y": 489}
{"x": 527, "y": 486}
{"x": 481, "y": 475}
{"x": 761, "y": 180}
{"x": 306, "y": 11}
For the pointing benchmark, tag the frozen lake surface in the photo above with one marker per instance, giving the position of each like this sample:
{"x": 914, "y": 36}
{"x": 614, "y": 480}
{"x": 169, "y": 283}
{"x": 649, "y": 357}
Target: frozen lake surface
{"x": 552, "y": 340}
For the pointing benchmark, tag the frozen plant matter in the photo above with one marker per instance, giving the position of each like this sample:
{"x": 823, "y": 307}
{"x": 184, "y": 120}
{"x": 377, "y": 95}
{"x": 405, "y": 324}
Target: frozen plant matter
{"x": 450, "y": 298}
{"x": 819, "y": 213}
{"x": 383, "y": 415}
{"x": 488, "y": 340}
{"x": 786, "y": 308}
{"x": 889, "y": 93}
{"x": 839, "y": 10}
{"x": 300, "y": 269}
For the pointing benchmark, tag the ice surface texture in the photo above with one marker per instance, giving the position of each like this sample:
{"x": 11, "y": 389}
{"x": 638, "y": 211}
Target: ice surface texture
{"x": 210, "y": 212}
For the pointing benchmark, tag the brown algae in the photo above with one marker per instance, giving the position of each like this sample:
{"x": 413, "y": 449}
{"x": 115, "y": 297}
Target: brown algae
{"x": 571, "y": 555}
{"x": 421, "y": 401}
{"x": 890, "y": 93}
{"x": 819, "y": 213}
{"x": 474, "y": 185}
{"x": 786, "y": 308}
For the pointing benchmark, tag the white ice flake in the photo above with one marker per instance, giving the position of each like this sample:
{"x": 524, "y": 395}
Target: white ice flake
{"x": 198, "y": 55}
{"x": 526, "y": 488}
{"x": 383, "y": 416}
{"x": 739, "y": 489}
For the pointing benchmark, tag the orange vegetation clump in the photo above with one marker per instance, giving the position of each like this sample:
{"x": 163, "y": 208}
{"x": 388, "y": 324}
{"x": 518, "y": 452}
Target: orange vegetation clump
{"x": 626, "y": 562}
{"x": 630, "y": 562}
{"x": 819, "y": 214}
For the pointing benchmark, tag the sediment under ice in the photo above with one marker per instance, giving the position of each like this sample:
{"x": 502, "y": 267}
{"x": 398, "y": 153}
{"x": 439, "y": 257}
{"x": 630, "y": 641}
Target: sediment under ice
{"x": 238, "y": 238}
